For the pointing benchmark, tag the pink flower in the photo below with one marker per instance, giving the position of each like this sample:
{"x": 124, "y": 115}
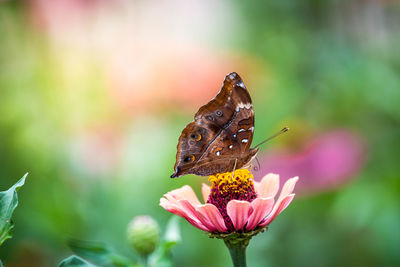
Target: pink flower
{"x": 323, "y": 163}
{"x": 232, "y": 205}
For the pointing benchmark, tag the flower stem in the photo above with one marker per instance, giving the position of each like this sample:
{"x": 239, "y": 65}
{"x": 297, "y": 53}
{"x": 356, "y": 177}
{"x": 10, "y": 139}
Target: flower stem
{"x": 144, "y": 259}
{"x": 237, "y": 249}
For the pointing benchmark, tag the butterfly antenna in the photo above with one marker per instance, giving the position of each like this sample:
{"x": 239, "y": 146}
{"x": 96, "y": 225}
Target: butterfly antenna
{"x": 284, "y": 130}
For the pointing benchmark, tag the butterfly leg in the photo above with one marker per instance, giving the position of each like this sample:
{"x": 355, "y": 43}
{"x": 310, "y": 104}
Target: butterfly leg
{"x": 257, "y": 168}
{"x": 234, "y": 168}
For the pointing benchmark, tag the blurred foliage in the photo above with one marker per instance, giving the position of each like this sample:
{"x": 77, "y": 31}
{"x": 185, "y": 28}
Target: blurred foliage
{"x": 8, "y": 203}
{"x": 102, "y": 255}
{"x": 75, "y": 261}
{"x": 321, "y": 64}
{"x": 98, "y": 253}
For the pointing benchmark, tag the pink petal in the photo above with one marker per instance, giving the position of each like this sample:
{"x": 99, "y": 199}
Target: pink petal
{"x": 191, "y": 215}
{"x": 211, "y": 217}
{"x": 182, "y": 211}
{"x": 205, "y": 189}
{"x": 269, "y": 186}
{"x": 279, "y": 207}
{"x": 239, "y": 212}
{"x": 288, "y": 187}
{"x": 172, "y": 207}
{"x": 256, "y": 186}
{"x": 261, "y": 208}
{"x": 185, "y": 192}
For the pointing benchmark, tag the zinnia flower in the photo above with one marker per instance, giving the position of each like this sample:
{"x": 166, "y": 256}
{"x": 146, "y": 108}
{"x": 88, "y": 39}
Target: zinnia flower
{"x": 236, "y": 208}
{"x": 238, "y": 204}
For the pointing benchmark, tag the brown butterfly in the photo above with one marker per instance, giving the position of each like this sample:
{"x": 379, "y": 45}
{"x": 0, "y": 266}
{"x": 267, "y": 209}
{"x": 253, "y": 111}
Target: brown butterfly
{"x": 219, "y": 138}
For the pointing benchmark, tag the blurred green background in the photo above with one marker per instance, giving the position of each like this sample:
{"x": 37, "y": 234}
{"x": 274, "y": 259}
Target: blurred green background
{"x": 94, "y": 95}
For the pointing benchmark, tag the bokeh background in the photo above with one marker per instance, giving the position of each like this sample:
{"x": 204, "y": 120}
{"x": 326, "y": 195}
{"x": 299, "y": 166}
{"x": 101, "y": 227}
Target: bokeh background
{"x": 94, "y": 95}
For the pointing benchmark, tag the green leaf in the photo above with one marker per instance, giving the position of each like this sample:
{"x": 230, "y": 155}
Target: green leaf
{"x": 172, "y": 233}
{"x": 75, "y": 261}
{"x": 162, "y": 257}
{"x": 1, "y": 264}
{"x": 8, "y": 203}
{"x": 98, "y": 253}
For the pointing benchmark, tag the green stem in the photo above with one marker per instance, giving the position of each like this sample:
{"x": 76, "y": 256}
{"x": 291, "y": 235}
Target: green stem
{"x": 237, "y": 249}
{"x": 144, "y": 259}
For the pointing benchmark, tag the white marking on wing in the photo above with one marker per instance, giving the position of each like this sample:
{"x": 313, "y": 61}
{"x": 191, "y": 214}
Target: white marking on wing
{"x": 245, "y": 140}
{"x": 241, "y": 130}
{"x": 247, "y": 106}
{"x": 242, "y": 105}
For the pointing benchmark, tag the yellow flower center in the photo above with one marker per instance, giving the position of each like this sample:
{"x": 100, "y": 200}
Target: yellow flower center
{"x": 227, "y": 184}
{"x": 226, "y": 187}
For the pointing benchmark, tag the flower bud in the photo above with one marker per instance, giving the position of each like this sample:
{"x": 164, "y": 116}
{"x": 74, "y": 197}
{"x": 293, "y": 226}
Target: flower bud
{"x": 143, "y": 234}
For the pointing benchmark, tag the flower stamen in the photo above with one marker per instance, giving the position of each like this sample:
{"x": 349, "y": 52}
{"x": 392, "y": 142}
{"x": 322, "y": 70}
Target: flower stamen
{"x": 225, "y": 187}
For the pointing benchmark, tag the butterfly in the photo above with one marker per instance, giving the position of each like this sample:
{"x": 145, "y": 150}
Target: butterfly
{"x": 219, "y": 138}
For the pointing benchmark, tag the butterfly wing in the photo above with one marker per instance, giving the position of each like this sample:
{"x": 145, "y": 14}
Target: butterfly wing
{"x": 221, "y": 133}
